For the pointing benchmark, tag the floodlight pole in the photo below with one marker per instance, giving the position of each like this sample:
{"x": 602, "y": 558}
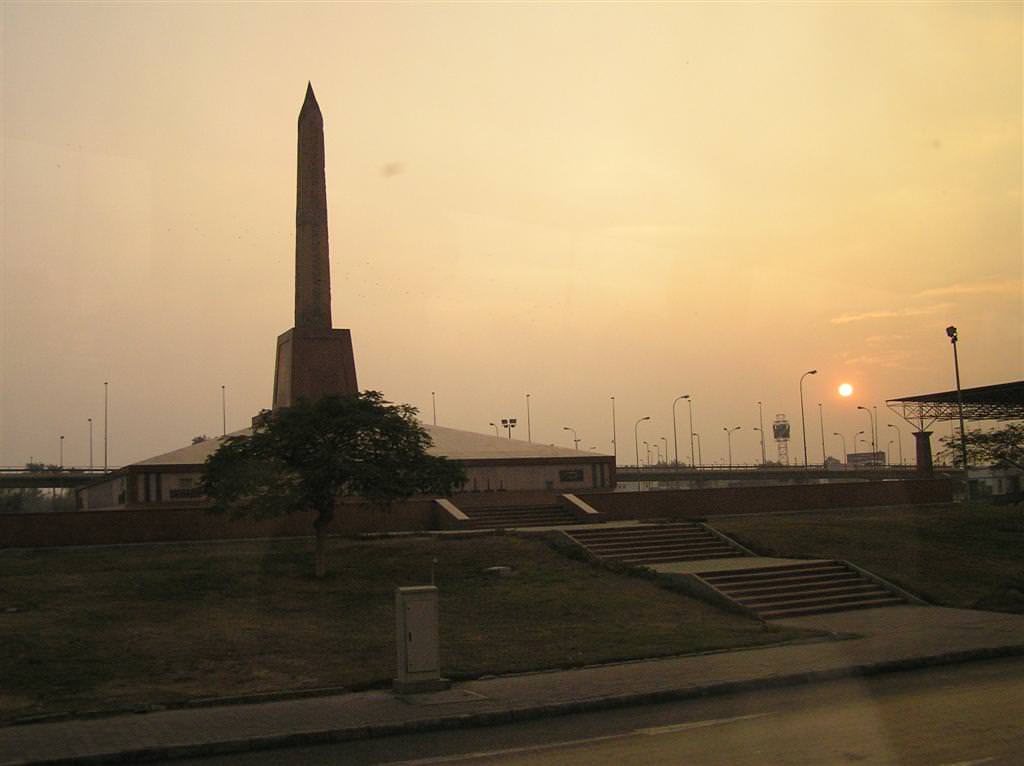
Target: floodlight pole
{"x": 951, "y": 332}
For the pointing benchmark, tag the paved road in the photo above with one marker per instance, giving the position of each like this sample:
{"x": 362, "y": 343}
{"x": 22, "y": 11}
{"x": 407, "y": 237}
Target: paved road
{"x": 969, "y": 714}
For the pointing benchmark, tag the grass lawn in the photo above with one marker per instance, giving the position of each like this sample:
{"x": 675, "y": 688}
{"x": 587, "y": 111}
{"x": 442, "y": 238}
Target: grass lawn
{"x": 103, "y": 628}
{"x": 969, "y": 556}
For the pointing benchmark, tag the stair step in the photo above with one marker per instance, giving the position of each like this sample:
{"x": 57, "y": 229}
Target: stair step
{"x": 597, "y": 536}
{"x": 811, "y": 610}
{"x": 742, "y": 578}
{"x": 670, "y": 558}
{"x": 812, "y": 597}
{"x": 768, "y": 590}
{"x": 809, "y": 580}
{"x": 654, "y": 545}
{"x": 774, "y": 569}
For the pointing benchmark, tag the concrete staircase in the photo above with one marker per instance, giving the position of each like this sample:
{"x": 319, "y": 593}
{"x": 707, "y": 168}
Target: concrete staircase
{"x": 654, "y": 544}
{"x": 512, "y": 516}
{"x": 798, "y": 590}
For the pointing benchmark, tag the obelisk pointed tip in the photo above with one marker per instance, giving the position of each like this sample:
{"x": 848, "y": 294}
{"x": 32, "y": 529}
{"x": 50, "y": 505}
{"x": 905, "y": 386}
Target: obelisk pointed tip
{"x": 309, "y": 104}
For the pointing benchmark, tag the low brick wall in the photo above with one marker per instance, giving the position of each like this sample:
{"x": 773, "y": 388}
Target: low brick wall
{"x": 698, "y": 503}
{"x": 41, "y": 530}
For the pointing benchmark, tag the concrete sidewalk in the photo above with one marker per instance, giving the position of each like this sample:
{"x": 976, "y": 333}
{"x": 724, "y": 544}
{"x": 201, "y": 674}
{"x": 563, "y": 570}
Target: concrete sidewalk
{"x": 869, "y": 641}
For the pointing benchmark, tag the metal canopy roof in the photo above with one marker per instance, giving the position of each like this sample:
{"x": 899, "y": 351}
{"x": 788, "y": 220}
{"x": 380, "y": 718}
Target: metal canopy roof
{"x": 1004, "y": 401}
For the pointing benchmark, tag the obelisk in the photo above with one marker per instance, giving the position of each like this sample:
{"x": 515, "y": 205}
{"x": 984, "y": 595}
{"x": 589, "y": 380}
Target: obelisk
{"x": 313, "y": 359}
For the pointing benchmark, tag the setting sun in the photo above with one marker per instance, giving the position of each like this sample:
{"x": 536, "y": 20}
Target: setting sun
{"x": 845, "y": 389}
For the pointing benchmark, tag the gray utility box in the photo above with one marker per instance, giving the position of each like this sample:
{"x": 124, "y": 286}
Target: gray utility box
{"x": 416, "y": 637}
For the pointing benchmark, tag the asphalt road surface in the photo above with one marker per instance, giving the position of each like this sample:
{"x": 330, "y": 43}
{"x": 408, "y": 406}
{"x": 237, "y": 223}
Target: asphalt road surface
{"x": 966, "y": 714}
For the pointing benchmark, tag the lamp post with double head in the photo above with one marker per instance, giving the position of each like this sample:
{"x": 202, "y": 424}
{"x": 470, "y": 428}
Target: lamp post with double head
{"x": 803, "y": 425}
{"x": 636, "y": 437}
{"x": 728, "y": 433}
{"x": 871, "y": 424}
{"x": 846, "y": 457}
{"x": 899, "y": 441}
{"x": 575, "y": 439}
{"x": 508, "y": 424}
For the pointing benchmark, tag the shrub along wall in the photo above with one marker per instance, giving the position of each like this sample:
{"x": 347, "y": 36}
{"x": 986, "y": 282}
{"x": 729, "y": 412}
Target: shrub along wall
{"x": 697, "y": 503}
{"x": 27, "y": 530}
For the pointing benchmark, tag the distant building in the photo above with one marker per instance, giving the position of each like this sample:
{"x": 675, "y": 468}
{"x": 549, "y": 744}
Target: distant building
{"x": 865, "y": 458}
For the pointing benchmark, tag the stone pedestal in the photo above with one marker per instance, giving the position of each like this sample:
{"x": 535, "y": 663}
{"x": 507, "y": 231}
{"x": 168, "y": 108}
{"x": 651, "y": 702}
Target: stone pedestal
{"x": 924, "y": 452}
{"x": 313, "y": 363}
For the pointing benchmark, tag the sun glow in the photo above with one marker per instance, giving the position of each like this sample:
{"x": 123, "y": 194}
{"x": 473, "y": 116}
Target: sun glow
{"x": 845, "y": 389}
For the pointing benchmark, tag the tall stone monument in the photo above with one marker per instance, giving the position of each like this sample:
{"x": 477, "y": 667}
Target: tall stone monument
{"x": 313, "y": 358}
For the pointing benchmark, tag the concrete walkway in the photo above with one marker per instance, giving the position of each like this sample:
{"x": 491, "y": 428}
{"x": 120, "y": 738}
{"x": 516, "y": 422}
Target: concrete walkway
{"x": 869, "y": 641}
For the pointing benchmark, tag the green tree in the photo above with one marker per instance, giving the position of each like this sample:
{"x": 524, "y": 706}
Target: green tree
{"x": 310, "y": 455}
{"x": 1001, "y": 446}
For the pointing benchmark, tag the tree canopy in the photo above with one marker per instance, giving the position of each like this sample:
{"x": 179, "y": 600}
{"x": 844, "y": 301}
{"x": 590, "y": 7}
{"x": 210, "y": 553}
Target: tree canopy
{"x": 1001, "y": 446}
{"x": 308, "y": 456}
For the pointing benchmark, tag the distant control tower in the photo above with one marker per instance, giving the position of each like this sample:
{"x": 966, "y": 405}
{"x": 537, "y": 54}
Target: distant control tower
{"x": 780, "y": 430}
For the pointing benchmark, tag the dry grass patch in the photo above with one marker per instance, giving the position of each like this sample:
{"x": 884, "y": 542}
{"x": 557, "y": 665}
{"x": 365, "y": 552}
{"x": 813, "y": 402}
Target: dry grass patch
{"x": 105, "y": 628}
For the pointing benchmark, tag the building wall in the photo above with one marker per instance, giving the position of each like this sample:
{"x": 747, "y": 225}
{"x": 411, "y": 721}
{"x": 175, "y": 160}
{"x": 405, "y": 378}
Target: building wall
{"x": 698, "y": 503}
{"x": 566, "y": 477}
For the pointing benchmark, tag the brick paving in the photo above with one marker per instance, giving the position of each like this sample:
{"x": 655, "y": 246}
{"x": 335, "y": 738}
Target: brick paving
{"x": 868, "y": 641}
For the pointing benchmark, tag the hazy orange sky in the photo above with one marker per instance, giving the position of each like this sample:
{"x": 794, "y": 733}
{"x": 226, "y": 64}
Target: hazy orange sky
{"x": 575, "y": 201}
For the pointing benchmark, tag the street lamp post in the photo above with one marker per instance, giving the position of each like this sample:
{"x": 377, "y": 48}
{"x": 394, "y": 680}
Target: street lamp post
{"x": 899, "y": 441}
{"x": 508, "y": 424}
{"x": 224, "y": 410}
{"x": 803, "y": 426}
{"x": 615, "y": 445}
{"x": 888, "y": 453}
{"x": 689, "y": 403}
{"x": 871, "y": 423}
{"x": 821, "y": 424}
{"x": 575, "y": 439}
{"x": 433, "y": 405}
{"x": 636, "y": 437}
{"x": 760, "y": 423}
{"x": 951, "y": 332}
{"x": 700, "y": 456}
{"x": 647, "y": 454}
{"x": 495, "y": 430}
{"x": 857, "y": 440}
{"x": 846, "y": 457}
{"x": 665, "y": 442}
{"x": 90, "y": 444}
{"x": 529, "y": 431}
{"x": 106, "y": 410}
{"x": 675, "y": 436}
{"x": 728, "y": 434}
{"x": 62, "y": 450}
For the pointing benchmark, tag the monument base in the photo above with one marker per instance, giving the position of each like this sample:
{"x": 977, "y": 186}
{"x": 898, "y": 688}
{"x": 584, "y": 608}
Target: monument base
{"x": 425, "y": 686}
{"x": 312, "y": 364}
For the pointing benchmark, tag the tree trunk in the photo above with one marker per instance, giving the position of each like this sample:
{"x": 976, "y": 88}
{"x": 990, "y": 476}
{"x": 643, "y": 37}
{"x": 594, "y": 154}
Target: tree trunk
{"x": 320, "y": 527}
